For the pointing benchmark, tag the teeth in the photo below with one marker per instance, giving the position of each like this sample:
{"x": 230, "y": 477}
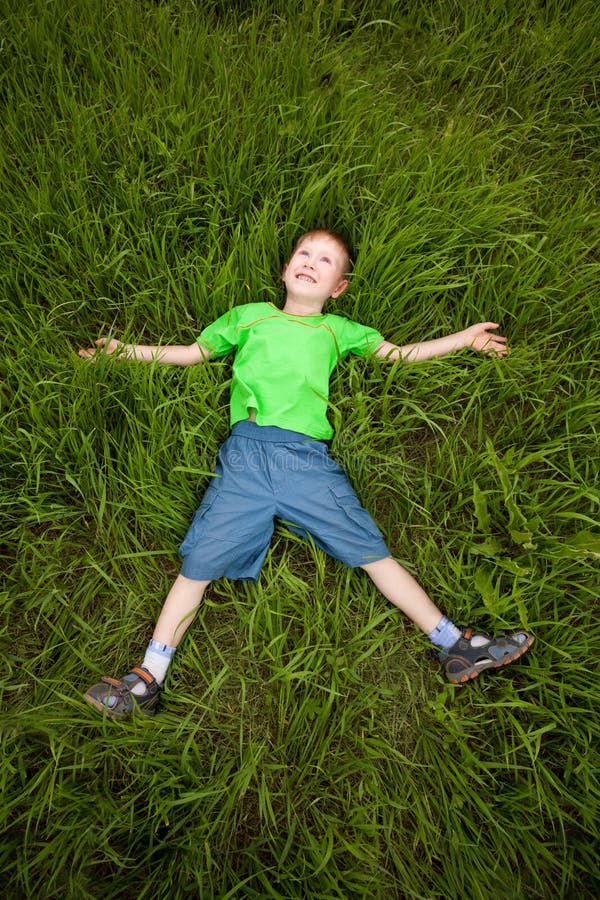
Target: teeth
{"x": 306, "y": 278}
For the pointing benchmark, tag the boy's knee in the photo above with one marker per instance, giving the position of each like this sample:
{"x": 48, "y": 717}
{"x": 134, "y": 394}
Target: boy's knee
{"x": 378, "y": 564}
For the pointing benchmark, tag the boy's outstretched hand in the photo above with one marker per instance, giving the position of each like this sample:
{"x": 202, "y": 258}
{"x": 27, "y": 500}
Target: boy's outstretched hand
{"x": 479, "y": 337}
{"x": 102, "y": 345}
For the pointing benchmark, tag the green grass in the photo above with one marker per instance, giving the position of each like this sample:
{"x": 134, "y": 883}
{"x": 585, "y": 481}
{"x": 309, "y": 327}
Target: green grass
{"x": 156, "y": 162}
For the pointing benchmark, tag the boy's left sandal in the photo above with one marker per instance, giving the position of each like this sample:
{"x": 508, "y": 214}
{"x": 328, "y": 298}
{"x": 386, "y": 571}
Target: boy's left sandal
{"x": 115, "y": 697}
{"x": 465, "y": 660}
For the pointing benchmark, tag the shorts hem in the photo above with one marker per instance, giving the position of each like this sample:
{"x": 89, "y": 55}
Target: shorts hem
{"x": 365, "y": 562}
{"x": 207, "y": 577}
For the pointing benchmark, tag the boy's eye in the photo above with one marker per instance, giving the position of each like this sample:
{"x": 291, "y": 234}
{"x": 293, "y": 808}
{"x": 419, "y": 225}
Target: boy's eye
{"x": 326, "y": 259}
{"x": 303, "y": 252}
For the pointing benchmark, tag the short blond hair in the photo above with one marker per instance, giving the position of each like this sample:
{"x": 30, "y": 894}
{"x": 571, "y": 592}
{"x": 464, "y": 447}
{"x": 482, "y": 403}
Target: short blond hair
{"x": 335, "y": 236}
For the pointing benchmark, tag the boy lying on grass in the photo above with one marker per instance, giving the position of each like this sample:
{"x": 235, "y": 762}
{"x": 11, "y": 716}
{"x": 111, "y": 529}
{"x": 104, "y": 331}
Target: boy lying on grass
{"x": 276, "y": 464}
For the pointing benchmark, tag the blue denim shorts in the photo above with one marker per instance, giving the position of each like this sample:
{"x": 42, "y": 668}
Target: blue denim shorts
{"x": 263, "y": 473}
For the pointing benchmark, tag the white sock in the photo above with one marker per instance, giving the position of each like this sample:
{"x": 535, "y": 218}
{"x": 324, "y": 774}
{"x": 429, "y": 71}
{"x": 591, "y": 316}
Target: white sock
{"x": 478, "y": 640}
{"x": 157, "y": 661}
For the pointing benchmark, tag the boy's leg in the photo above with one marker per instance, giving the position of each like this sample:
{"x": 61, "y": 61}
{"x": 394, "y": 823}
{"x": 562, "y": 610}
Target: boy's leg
{"x": 463, "y": 654}
{"x": 141, "y": 687}
{"x": 179, "y": 610}
{"x": 405, "y": 592}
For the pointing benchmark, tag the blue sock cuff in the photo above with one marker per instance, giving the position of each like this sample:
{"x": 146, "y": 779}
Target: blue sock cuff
{"x": 445, "y": 634}
{"x": 439, "y": 627}
{"x": 161, "y": 649}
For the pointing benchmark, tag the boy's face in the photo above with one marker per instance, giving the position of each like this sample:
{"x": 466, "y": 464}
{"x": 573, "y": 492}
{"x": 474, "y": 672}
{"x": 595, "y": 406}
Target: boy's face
{"x": 316, "y": 269}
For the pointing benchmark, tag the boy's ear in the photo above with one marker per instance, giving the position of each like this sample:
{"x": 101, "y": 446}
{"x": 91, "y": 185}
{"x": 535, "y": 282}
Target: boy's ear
{"x": 340, "y": 288}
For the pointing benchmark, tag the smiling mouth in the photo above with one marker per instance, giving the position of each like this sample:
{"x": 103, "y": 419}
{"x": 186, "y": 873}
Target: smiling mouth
{"x": 302, "y": 276}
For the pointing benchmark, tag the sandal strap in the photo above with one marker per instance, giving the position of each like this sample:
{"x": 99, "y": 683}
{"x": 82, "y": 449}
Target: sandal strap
{"x": 120, "y": 686}
{"x": 145, "y": 676}
{"x": 114, "y": 682}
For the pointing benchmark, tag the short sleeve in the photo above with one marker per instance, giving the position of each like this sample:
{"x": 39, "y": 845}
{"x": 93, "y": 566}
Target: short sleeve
{"x": 221, "y": 336}
{"x": 359, "y": 339}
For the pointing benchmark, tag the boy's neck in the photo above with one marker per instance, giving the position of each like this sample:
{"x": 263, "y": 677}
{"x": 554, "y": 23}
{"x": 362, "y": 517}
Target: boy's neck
{"x": 302, "y": 307}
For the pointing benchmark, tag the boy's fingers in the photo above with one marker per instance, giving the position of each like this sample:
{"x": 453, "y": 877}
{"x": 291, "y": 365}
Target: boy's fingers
{"x": 99, "y": 346}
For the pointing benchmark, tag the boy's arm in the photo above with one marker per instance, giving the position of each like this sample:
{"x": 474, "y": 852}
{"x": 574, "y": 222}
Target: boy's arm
{"x": 172, "y": 354}
{"x": 478, "y": 337}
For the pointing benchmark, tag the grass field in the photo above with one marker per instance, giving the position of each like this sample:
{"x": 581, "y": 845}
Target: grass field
{"x": 157, "y": 159}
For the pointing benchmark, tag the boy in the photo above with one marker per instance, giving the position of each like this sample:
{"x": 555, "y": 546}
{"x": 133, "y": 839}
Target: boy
{"x": 275, "y": 464}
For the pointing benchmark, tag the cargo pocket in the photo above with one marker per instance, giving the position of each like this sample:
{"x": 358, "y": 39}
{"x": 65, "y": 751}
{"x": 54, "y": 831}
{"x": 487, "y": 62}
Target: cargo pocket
{"x": 194, "y": 532}
{"x": 346, "y": 500}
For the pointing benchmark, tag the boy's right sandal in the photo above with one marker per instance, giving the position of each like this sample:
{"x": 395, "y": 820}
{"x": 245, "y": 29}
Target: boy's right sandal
{"x": 115, "y": 698}
{"x": 464, "y": 660}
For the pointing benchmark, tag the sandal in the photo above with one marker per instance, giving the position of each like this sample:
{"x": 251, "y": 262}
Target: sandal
{"x": 115, "y": 697}
{"x": 463, "y": 661}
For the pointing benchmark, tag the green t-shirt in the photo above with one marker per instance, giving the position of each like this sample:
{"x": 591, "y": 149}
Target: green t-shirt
{"x": 283, "y": 362}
